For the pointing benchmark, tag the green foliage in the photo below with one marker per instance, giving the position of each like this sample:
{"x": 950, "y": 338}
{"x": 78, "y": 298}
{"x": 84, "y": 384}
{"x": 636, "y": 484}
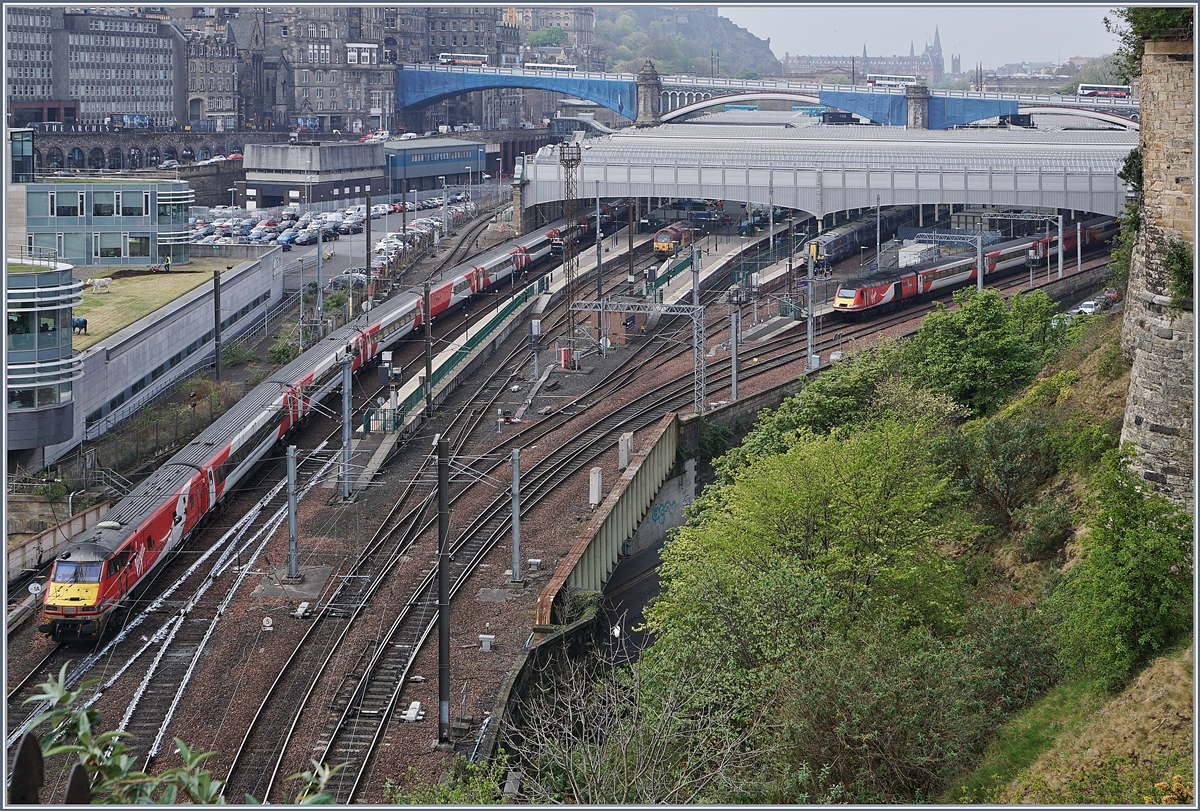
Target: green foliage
{"x": 237, "y": 353}
{"x": 1131, "y": 170}
{"x": 1176, "y": 256}
{"x": 73, "y": 728}
{"x": 1111, "y": 362}
{"x": 983, "y": 351}
{"x": 837, "y": 396}
{"x": 1048, "y": 526}
{"x": 337, "y": 299}
{"x": 714, "y": 439}
{"x": 466, "y": 783}
{"x": 548, "y": 36}
{"x": 747, "y": 74}
{"x": 310, "y": 292}
{"x": 897, "y": 711}
{"x": 1121, "y": 253}
{"x": 1134, "y": 25}
{"x": 256, "y": 377}
{"x": 1129, "y": 779}
{"x": 1001, "y": 463}
{"x": 51, "y": 488}
{"x": 1131, "y": 595}
{"x": 283, "y": 352}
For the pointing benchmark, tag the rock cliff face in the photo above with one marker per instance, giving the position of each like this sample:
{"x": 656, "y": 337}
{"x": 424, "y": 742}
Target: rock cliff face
{"x": 1158, "y": 333}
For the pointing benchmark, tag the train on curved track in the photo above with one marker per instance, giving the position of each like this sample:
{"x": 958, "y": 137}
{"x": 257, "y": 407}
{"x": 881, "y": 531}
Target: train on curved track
{"x": 898, "y": 287}
{"x": 105, "y": 566}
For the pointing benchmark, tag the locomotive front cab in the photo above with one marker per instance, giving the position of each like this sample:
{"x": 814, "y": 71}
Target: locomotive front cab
{"x": 71, "y": 604}
{"x": 848, "y": 298}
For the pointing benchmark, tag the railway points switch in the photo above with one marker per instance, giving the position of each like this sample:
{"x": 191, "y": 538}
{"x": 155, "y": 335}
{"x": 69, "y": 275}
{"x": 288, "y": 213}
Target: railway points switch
{"x": 534, "y": 563}
{"x": 413, "y": 713}
{"x": 485, "y": 642}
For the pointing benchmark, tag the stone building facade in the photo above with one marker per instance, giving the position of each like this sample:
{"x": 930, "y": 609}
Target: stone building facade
{"x": 1158, "y": 333}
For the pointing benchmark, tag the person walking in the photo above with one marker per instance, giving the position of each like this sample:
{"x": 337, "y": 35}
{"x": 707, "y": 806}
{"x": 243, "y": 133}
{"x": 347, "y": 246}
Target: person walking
{"x": 167, "y": 264}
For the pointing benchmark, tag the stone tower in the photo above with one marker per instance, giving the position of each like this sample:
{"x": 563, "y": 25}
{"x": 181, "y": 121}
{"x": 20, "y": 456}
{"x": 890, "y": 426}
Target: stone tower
{"x": 1158, "y": 333}
{"x": 649, "y": 91}
{"x": 918, "y": 106}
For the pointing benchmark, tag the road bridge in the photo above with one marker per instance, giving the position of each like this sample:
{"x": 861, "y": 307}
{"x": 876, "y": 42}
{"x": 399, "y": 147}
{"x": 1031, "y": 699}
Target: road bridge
{"x": 823, "y": 169}
{"x": 678, "y": 96}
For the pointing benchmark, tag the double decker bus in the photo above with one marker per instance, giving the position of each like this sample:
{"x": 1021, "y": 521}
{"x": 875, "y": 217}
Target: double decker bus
{"x": 475, "y": 60}
{"x": 1112, "y": 91}
{"x": 885, "y": 80}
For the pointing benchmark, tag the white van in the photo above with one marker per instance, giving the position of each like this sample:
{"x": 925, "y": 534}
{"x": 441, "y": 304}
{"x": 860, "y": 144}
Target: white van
{"x": 408, "y": 136}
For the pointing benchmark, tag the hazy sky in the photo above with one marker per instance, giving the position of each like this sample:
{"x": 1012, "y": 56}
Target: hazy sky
{"x": 993, "y": 35}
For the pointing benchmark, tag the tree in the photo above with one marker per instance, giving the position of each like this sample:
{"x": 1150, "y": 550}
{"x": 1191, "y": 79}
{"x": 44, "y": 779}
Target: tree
{"x": 1135, "y": 25}
{"x": 979, "y": 353}
{"x": 548, "y": 36}
{"x": 596, "y": 734}
{"x": 1002, "y": 462}
{"x": 1131, "y": 594}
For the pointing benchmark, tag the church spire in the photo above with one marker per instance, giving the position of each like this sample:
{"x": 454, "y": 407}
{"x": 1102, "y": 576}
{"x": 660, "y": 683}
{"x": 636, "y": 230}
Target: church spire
{"x": 912, "y": 51}
{"x": 864, "y": 50}
{"x": 937, "y": 40}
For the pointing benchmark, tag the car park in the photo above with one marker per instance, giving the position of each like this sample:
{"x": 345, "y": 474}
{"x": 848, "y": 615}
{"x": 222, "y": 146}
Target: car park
{"x": 381, "y": 210}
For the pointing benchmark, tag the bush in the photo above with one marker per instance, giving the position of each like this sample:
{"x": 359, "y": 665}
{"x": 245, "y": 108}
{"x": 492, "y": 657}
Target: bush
{"x": 283, "y": 352}
{"x": 237, "y": 353}
{"x": 1177, "y": 258}
{"x": 1131, "y": 595}
{"x": 1001, "y": 465}
{"x": 1048, "y": 526}
{"x": 1111, "y": 363}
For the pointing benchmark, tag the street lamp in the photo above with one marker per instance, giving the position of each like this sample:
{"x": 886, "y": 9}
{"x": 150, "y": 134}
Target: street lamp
{"x": 468, "y": 168}
{"x": 232, "y": 193}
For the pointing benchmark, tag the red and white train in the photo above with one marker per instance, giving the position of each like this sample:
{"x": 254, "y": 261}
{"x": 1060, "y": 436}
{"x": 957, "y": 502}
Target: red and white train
{"x": 898, "y": 287}
{"x": 109, "y": 563}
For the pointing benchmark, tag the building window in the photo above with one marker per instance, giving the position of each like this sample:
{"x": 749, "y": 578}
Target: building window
{"x": 324, "y": 31}
{"x": 102, "y": 204}
{"x": 312, "y": 29}
{"x": 139, "y": 246}
{"x": 283, "y": 31}
{"x": 304, "y": 77}
{"x": 320, "y": 77}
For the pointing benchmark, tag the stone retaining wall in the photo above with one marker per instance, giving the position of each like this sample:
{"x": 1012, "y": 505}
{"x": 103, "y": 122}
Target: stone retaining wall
{"x": 1158, "y": 333}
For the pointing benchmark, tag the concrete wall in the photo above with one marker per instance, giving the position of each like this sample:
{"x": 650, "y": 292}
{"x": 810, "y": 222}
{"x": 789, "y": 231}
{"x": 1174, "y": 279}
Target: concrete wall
{"x": 28, "y": 555}
{"x": 666, "y": 511}
{"x": 1158, "y": 333}
{"x": 120, "y": 360}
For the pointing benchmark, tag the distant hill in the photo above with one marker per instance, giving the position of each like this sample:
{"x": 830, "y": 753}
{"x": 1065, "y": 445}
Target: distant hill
{"x": 680, "y": 40}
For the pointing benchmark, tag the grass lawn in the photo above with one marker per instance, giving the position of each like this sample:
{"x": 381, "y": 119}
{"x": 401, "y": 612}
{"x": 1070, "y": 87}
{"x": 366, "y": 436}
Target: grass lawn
{"x": 1064, "y": 711}
{"x": 138, "y": 296}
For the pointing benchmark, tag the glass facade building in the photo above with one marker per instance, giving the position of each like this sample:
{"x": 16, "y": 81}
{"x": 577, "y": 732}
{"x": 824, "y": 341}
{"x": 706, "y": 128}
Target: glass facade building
{"x": 109, "y": 222}
{"x": 41, "y": 363}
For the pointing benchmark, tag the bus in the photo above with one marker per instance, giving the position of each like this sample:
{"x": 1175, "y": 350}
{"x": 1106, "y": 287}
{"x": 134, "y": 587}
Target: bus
{"x": 729, "y": 107}
{"x": 546, "y": 66}
{"x": 884, "y": 80}
{"x": 476, "y": 60}
{"x": 1112, "y": 91}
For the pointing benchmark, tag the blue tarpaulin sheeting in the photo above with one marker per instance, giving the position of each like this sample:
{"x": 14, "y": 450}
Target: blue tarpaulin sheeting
{"x": 417, "y": 88}
{"x": 944, "y": 112}
{"x": 882, "y": 108}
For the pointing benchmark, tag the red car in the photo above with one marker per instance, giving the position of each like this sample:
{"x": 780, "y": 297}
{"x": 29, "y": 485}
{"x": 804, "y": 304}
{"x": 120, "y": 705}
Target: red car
{"x": 1112, "y": 295}
{"x": 234, "y": 156}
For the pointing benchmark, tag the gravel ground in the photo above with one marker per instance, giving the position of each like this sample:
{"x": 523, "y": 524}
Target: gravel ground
{"x": 243, "y": 660}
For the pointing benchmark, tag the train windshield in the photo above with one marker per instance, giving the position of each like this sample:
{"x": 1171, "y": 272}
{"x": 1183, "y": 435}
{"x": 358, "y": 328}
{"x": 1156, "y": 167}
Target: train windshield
{"x": 65, "y": 572}
{"x": 664, "y": 236}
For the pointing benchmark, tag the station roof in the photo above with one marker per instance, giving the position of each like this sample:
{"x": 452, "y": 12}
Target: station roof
{"x": 871, "y": 147}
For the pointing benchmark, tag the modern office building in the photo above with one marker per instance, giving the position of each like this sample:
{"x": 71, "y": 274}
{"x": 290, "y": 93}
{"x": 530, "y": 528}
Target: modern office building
{"x": 41, "y": 366}
{"x": 118, "y": 221}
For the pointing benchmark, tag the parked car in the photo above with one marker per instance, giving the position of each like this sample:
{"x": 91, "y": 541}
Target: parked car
{"x": 169, "y": 164}
{"x": 234, "y": 156}
{"x": 1112, "y": 295}
{"x": 1088, "y": 308}
{"x": 380, "y": 211}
